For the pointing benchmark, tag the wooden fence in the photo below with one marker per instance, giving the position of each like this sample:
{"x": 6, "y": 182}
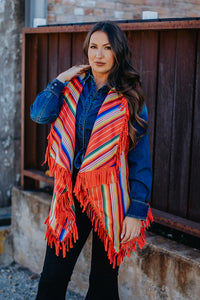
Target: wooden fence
{"x": 167, "y": 55}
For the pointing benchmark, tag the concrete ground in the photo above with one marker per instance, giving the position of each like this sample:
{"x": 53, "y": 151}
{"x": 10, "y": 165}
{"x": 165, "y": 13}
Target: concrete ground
{"x": 19, "y": 283}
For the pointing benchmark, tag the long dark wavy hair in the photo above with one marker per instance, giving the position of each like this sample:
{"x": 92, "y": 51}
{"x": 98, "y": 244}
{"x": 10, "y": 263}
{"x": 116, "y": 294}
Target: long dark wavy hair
{"x": 123, "y": 76}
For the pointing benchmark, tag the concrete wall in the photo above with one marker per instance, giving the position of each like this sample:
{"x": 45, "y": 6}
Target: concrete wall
{"x": 70, "y": 11}
{"x": 11, "y": 23}
{"x": 162, "y": 270}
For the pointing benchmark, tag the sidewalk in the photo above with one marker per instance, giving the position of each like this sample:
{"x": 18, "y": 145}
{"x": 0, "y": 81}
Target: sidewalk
{"x": 18, "y": 283}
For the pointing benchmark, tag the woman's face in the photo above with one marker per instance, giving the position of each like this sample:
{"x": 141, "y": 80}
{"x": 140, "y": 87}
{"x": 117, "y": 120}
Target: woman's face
{"x": 100, "y": 55}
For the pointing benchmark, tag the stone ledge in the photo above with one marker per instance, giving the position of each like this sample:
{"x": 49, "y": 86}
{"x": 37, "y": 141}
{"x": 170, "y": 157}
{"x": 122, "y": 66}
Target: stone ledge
{"x": 163, "y": 269}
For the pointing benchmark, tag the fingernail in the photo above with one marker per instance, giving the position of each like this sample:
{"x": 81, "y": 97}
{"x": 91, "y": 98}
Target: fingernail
{"x": 121, "y": 236}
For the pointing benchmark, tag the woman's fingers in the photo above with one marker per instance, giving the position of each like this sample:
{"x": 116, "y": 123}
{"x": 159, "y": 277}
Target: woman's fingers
{"x": 72, "y": 72}
{"x": 126, "y": 238}
{"x": 123, "y": 230}
{"x": 130, "y": 229}
{"x": 124, "y": 233}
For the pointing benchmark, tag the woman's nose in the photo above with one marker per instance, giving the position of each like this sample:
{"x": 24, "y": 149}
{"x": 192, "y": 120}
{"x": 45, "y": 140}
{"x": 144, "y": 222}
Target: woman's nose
{"x": 99, "y": 53}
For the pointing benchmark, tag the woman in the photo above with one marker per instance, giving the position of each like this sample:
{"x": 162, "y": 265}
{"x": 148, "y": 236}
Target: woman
{"x": 98, "y": 153}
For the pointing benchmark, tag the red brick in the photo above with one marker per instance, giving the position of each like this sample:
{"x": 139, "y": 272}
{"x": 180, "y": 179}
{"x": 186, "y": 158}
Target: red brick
{"x": 89, "y": 12}
{"x": 51, "y": 19}
{"x": 86, "y": 3}
{"x": 125, "y": 7}
{"x": 106, "y": 5}
{"x": 134, "y": 2}
{"x": 99, "y": 12}
{"x": 109, "y": 13}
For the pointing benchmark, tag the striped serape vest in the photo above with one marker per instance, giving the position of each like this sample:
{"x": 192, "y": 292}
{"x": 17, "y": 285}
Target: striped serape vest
{"x": 101, "y": 185}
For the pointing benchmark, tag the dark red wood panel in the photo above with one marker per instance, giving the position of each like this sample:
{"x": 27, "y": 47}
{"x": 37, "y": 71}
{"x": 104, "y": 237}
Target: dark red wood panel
{"x": 194, "y": 195}
{"x": 77, "y": 48}
{"x": 182, "y": 122}
{"x": 42, "y": 62}
{"x": 144, "y": 48}
{"x": 134, "y": 39}
{"x": 164, "y": 115}
{"x": 64, "y": 52}
{"x": 149, "y": 62}
{"x": 30, "y": 149}
{"x": 42, "y": 72}
{"x": 53, "y": 56}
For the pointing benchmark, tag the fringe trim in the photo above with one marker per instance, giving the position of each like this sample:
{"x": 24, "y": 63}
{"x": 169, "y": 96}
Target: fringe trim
{"x": 51, "y": 164}
{"x": 126, "y": 249}
{"x": 64, "y": 245}
{"x": 63, "y": 212}
{"x": 95, "y": 178}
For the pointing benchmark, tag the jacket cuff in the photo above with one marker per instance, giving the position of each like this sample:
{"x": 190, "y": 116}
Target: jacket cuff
{"x": 138, "y": 210}
{"x": 56, "y": 87}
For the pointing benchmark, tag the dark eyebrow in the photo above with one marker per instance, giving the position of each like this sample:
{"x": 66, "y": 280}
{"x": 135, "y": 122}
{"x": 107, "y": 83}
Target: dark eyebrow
{"x": 103, "y": 44}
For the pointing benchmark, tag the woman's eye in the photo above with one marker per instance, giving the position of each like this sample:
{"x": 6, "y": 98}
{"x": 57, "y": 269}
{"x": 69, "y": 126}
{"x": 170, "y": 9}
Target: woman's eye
{"x": 93, "y": 47}
{"x": 108, "y": 48}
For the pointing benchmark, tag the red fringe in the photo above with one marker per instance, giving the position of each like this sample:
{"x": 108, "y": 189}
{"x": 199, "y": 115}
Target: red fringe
{"x": 63, "y": 210}
{"x": 51, "y": 164}
{"x": 126, "y": 249}
{"x": 95, "y": 177}
{"x": 64, "y": 245}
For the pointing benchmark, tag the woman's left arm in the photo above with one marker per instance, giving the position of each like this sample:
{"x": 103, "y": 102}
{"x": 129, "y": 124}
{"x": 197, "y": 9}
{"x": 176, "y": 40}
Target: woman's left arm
{"x": 140, "y": 181}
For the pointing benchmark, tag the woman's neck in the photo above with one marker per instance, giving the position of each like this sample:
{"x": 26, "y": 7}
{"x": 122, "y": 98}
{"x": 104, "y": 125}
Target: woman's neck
{"x": 100, "y": 80}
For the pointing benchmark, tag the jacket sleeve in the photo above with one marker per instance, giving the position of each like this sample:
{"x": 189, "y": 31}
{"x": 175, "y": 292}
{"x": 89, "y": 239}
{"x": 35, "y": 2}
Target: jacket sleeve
{"x": 140, "y": 174}
{"x": 47, "y": 104}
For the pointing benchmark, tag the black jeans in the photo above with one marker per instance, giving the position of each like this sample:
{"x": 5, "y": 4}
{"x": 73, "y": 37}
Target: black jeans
{"x": 57, "y": 271}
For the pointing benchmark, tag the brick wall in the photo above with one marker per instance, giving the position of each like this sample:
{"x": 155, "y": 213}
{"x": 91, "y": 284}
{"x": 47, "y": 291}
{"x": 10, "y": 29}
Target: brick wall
{"x": 72, "y": 11}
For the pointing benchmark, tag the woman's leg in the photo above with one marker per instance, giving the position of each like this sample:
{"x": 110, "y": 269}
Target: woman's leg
{"x": 103, "y": 281}
{"x": 57, "y": 270}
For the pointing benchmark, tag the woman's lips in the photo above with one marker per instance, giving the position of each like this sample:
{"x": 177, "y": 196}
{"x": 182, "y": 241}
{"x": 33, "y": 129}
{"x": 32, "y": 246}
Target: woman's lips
{"x": 99, "y": 63}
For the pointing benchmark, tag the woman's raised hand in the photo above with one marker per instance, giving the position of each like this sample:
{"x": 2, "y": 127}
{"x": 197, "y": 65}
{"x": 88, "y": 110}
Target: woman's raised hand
{"x": 72, "y": 72}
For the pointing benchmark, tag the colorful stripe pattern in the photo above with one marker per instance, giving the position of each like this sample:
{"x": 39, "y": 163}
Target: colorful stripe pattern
{"x": 102, "y": 182}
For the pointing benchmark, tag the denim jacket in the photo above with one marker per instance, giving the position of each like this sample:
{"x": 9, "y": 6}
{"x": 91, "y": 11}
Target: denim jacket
{"x": 46, "y": 109}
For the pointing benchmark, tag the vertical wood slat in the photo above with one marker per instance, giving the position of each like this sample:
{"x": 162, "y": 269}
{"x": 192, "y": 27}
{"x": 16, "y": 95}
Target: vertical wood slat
{"x": 29, "y": 90}
{"x": 53, "y": 56}
{"x": 30, "y": 93}
{"x": 77, "y": 48}
{"x": 182, "y": 126}
{"x": 149, "y": 63}
{"x": 194, "y": 203}
{"x": 144, "y": 48}
{"x": 64, "y": 52}
{"x": 42, "y": 82}
{"x": 164, "y": 113}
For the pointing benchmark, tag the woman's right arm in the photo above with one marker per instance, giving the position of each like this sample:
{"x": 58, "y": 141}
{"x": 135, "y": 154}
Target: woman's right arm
{"x": 48, "y": 103}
